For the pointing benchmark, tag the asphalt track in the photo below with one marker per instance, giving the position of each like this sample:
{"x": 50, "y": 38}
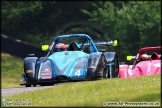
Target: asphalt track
{"x": 11, "y": 91}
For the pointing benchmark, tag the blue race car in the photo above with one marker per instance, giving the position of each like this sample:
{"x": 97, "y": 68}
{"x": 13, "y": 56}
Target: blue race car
{"x": 73, "y": 57}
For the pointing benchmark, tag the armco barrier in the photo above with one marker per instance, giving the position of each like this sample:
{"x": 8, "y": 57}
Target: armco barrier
{"x": 18, "y": 48}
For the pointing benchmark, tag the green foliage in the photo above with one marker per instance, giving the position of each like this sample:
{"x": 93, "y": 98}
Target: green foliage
{"x": 37, "y": 21}
{"x": 11, "y": 70}
{"x": 136, "y": 24}
{"x": 17, "y": 18}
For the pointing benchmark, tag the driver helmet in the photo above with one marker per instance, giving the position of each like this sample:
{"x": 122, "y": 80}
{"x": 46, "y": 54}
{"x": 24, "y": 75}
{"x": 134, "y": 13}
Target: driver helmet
{"x": 145, "y": 57}
{"x": 59, "y": 47}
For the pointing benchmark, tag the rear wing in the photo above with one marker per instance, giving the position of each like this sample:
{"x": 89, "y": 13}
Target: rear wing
{"x": 108, "y": 43}
{"x": 105, "y": 43}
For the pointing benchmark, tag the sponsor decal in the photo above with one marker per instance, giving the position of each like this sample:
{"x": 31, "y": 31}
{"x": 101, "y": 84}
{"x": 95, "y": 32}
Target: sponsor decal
{"x": 46, "y": 77}
{"x": 130, "y": 66}
{"x": 148, "y": 69}
{"x": 130, "y": 72}
{"x": 28, "y": 71}
{"x": 157, "y": 65}
{"x": 121, "y": 69}
{"x": 122, "y": 66}
{"x": 46, "y": 73}
{"x": 92, "y": 66}
{"x": 111, "y": 42}
{"x": 46, "y": 69}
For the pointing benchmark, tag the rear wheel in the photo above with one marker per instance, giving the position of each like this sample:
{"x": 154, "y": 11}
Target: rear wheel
{"x": 104, "y": 67}
{"x": 116, "y": 68}
{"x": 105, "y": 73}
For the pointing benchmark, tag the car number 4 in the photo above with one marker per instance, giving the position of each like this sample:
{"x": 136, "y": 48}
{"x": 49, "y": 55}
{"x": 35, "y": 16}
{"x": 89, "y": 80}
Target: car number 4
{"x": 77, "y": 73}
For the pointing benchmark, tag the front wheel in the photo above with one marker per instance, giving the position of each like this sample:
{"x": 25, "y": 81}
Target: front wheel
{"x": 28, "y": 85}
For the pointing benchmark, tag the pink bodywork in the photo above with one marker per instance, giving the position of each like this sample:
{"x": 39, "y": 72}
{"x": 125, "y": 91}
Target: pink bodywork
{"x": 148, "y": 67}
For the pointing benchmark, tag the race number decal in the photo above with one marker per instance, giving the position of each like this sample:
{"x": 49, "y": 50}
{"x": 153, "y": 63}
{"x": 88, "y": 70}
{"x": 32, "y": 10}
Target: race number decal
{"x": 78, "y": 73}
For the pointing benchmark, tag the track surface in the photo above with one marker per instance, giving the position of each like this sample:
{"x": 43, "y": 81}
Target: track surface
{"x": 11, "y": 91}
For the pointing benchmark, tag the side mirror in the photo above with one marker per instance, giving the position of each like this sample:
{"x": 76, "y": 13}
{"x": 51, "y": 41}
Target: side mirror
{"x": 45, "y": 47}
{"x": 101, "y": 50}
{"x": 131, "y": 58}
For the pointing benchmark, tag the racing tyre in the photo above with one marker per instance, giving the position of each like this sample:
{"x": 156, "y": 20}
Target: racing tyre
{"x": 102, "y": 68}
{"x": 116, "y": 68}
{"x": 105, "y": 73}
{"x": 27, "y": 85}
{"x": 99, "y": 71}
{"x": 105, "y": 69}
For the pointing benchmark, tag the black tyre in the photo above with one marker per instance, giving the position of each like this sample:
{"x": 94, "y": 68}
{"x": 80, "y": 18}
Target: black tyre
{"x": 99, "y": 72}
{"x": 116, "y": 68}
{"x": 105, "y": 73}
{"x": 103, "y": 66}
{"x": 28, "y": 85}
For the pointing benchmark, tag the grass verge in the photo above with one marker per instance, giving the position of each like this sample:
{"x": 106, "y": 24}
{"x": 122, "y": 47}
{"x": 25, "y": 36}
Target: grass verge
{"x": 94, "y": 93}
{"x": 11, "y": 70}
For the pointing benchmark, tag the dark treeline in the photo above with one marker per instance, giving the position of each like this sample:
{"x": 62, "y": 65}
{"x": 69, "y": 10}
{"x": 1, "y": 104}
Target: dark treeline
{"x": 135, "y": 23}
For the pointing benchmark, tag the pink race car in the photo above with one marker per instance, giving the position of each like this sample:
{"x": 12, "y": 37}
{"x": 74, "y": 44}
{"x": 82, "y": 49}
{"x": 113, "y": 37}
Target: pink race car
{"x": 147, "y": 62}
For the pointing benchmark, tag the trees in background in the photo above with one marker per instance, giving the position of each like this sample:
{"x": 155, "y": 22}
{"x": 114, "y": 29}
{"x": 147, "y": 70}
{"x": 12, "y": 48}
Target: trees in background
{"x": 36, "y": 21}
{"x": 135, "y": 23}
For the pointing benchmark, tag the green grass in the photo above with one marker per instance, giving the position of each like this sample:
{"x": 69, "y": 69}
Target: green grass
{"x": 94, "y": 93}
{"x": 11, "y": 70}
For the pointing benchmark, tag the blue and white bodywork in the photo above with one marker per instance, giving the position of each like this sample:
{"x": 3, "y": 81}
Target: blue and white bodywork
{"x": 71, "y": 65}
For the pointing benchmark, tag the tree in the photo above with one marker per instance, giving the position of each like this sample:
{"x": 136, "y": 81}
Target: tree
{"x": 135, "y": 24}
